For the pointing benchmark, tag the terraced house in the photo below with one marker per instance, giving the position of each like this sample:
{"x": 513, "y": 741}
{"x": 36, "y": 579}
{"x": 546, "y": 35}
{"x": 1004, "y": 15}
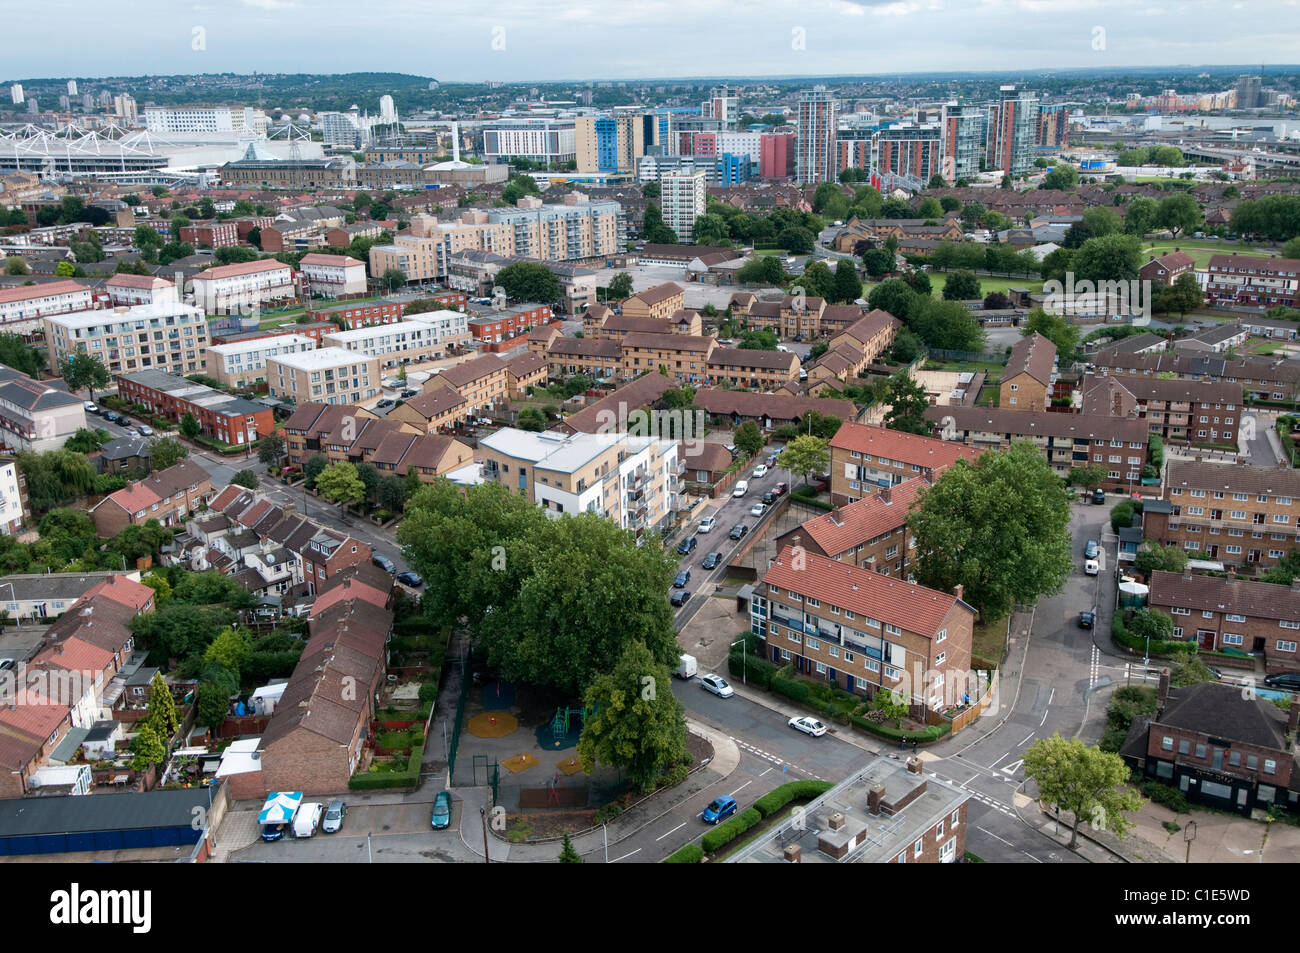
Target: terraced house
{"x": 1264, "y": 378}
{"x": 870, "y": 533}
{"x": 305, "y": 430}
{"x": 661, "y": 301}
{"x": 1199, "y": 412}
{"x": 1031, "y": 370}
{"x": 751, "y": 368}
{"x": 1232, "y": 614}
{"x": 684, "y": 356}
{"x": 1238, "y": 515}
{"x": 483, "y": 382}
{"x": 596, "y": 358}
{"x": 166, "y": 496}
{"x": 862, "y": 631}
{"x": 1253, "y": 281}
{"x": 866, "y": 459}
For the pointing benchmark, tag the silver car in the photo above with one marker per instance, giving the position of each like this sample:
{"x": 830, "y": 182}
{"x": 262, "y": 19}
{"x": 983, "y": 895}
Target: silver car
{"x": 717, "y": 685}
{"x": 334, "y": 815}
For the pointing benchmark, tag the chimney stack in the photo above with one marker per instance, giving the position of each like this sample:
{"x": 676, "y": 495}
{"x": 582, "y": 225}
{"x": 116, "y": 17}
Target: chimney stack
{"x": 837, "y": 517}
{"x": 793, "y": 854}
{"x": 1293, "y": 717}
{"x": 1163, "y": 692}
{"x": 886, "y": 492}
{"x": 958, "y": 591}
{"x": 914, "y": 765}
{"x": 874, "y": 797}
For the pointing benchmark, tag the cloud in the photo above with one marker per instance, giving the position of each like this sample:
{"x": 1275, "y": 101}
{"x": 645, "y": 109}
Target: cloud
{"x": 271, "y": 4}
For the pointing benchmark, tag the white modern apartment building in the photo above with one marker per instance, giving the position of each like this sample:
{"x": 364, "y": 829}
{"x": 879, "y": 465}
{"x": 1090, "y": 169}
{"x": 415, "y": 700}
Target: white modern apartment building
{"x": 404, "y": 342}
{"x": 22, "y": 308}
{"x": 682, "y": 195}
{"x": 333, "y": 275}
{"x": 12, "y": 515}
{"x": 242, "y": 363}
{"x": 36, "y": 415}
{"x": 347, "y": 129}
{"x": 191, "y": 119}
{"x": 167, "y": 336}
{"x": 329, "y": 375}
{"x": 740, "y": 144}
{"x": 630, "y": 480}
{"x": 241, "y": 287}
{"x": 537, "y": 139}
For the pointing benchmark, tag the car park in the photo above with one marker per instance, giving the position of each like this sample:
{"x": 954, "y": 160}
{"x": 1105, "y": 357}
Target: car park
{"x": 711, "y": 561}
{"x": 707, "y": 524}
{"x": 741, "y": 488}
{"x": 687, "y": 546}
{"x": 1287, "y": 680}
{"x": 1090, "y": 551}
{"x": 738, "y": 531}
{"x": 760, "y": 471}
{"x": 383, "y": 562}
{"x": 717, "y": 685}
{"x": 719, "y": 809}
{"x": 441, "y": 818}
{"x": 757, "y": 509}
{"x": 334, "y": 815}
{"x": 1086, "y": 619}
{"x": 411, "y": 579}
{"x": 679, "y": 597}
{"x": 808, "y": 725}
{"x": 682, "y": 579}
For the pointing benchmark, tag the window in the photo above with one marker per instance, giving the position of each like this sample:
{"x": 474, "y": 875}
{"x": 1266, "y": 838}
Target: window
{"x": 811, "y": 644}
{"x": 848, "y": 658}
{"x": 834, "y": 650}
{"x": 938, "y": 830}
{"x": 918, "y": 847}
{"x": 1270, "y": 766}
{"x": 1233, "y": 638}
{"x": 1200, "y": 752}
{"x": 940, "y": 658}
{"x": 956, "y": 818}
{"x": 941, "y": 635}
{"x": 1285, "y": 646}
{"x": 1167, "y": 743}
{"x": 1184, "y": 746}
{"x": 1175, "y": 610}
{"x": 1288, "y": 624}
{"x": 793, "y": 636}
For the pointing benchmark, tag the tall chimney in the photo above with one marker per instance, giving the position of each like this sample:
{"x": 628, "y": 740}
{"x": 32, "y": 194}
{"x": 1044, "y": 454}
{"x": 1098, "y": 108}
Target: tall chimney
{"x": 874, "y": 797}
{"x": 914, "y": 765}
{"x": 1293, "y": 718}
{"x": 1162, "y": 693}
{"x": 958, "y": 591}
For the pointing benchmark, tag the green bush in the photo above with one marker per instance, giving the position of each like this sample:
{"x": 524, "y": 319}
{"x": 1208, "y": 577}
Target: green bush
{"x": 607, "y": 813}
{"x": 1166, "y": 796}
{"x": 674, "y": 775}
{"x": 774, "y": 800}
{"x": 690, "y": 854}
{"x": 925, "y": 736}
{"x": 791, "y": 689}
{"x": 428, "y": 693}
{"x": 1121, "y": 635}
{"x": 728, "y": 831}
{"x": 755, "y": 670}
{"x": 408, "y": 777}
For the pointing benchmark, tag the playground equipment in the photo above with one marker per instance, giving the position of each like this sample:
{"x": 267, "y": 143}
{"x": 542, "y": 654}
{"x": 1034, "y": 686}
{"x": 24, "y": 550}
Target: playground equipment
{"x": 563, "y": 719}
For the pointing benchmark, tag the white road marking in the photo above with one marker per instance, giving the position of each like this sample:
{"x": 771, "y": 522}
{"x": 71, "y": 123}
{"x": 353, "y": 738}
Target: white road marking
{"x": 1031, "y": 856}
{"x": 1045, "y": 711}
{"x": 1013, "y": 767}
{"x": 765, "y": 772}
{"x": 995, "y": 763}
{"x": 675, "y": 829}
{"x": 995, "y": 836}
{"x": 742, "y": 787}
{"x": 625, "y": 856}
{"x": 1025, "y": 738}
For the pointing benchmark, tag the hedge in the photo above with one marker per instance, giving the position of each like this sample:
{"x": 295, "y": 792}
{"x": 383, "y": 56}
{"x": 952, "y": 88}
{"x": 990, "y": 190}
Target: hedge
{"x": 807, "y": 495}
{"x": 222, "y": 448}
{"x": 800, "y": 692}
{"x": 1120, "y": 633}
{"x": 926, "y": 735}
{"x": 690, "y": 854}
{"x": 755, "y": 669}
{"x": 1166, "y": 796}
{"x": 728, "y": 831}
{"x": 391, "y": 779}
{"x": 777, "y": 798}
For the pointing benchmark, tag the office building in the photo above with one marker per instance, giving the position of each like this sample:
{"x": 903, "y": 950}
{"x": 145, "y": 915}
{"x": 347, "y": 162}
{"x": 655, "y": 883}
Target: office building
{"x": 545, "y": 140}
{"x": 204, "y": 119}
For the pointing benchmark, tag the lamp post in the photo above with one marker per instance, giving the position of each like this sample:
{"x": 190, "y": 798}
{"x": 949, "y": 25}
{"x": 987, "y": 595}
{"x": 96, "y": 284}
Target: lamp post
{"x": 482, "y": 813}
{"x": 743, "y": 664}
{"x": 1189, "y": 835}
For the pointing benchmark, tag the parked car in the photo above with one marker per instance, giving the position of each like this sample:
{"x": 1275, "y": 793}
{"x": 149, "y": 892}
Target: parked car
{"x": 739, "y": 530}
{"x": 1287, "y": 680}
{"x": 679, "y": 597}
{"x": 411, "y": 579}
{"x": 707, "y": 524}
{"x": 686, "y": 667}
{"x": 1091, "y": 567}
{"x": 386, "y": 402}
{"x": 771, "y": 461}
{"x": 1090, "y": 551}
{"x": 682, "y": 579}
{"x": 780, "y": 488}
{"x": 91, "y": 408}
{"x": 383, "y": 562}
{"x": 1099, "y": 497}
{"x": 717, "y": 685}
{"x": 760, "y": 471}
{"x": 145, "y": 431}
{"x": 808, "y": 725}
{"x": 1086, "y": 619}
{"x": 273, "y": 832}
{"x": 687, "y": 546}
{"x": 711, "y": 561}
{"x": 741, "y": 488}
{"x": 719, "y": 809}
{"x": 334, "y": 815}
{"x": 769, "y": 498}
{"x": 307, "y": 819}
{"x": 757, "y": 509}
{"x": 441, "y": 818}
{"x": 409, "y": 393}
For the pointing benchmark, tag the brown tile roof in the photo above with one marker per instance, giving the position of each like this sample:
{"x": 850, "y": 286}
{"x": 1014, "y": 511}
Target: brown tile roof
{"x": 392, "y": 449}
{"x": 304, "y": 416}
{"x": 596, "y": 313}
{"x": 668, "y": 342}
{"x": 613, "y": 409}
{"x": 471, "y": 371}
{"x": 1027, "y": 423}
{"x": 431, "y": 453}
{"x": 847, "y": 527}
{"x": 1146, "y": 388}
{"x": 713, "y": 400}
{"x": 1232, "y": 478}
{"x": 927, "y": 452}
{"x": 862, "y": 591}
{"x": 525, "y": 364}
{"x": 626, "y": 323}
{"x": 585, "y": 347}
{"x": 705, "y": 455}
{"x": 1255, "y": 600}
{"x": 241, "y": 268}
{"x": 28, "y": 292}
{"x": 1175, "y": 260}
{"x": 338, "y": 261}
{"x": 1248, "y": 264}
{"x": 659, "y": 292}
{"x": 746, "y": 357}
{"x": 1033, "y": 355}
{"x": 436, "y": 402}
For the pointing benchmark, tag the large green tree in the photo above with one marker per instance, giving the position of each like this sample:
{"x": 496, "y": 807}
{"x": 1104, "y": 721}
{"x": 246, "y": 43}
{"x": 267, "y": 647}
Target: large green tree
{"x": 620, "y": 286}
{"x": 749, "y": 439}
{"x": 84, "y": 370}
{"x": 18, "y": 354}
{"x": 1155, "y": 557}
{"x": 166, "y": 452}
{"x": 529, "y": 281}
{"x": 907, "y": 405}
{"x": 1056, "y": 329}
{"x": 340, "y": 484}
{"x": 998, "y": 527}
{"x": 1180, "y": 213}
{"x": 962, "y": 286}
{"x": 806, "y": 455}
{"x": 848, "y": 284}
{"x": 162, "y": 707}
{"x": 147, "y": 748}
{"x": 637, "y": 724}
{"x": 1086, "y": 781}
{"x": 1108, "y": 258}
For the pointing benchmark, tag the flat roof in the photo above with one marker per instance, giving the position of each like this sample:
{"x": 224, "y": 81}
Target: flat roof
{"x": 320, "y": 358}
{"x": 101, "y": 812}
{"x": 261, "y": 344}
{"x": 158, "y": 309}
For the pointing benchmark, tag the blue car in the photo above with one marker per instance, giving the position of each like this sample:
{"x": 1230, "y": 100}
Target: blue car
{"x": 410, "y": 579}
{"x": 441, "y": 810}
{"x": 687, "y": 546}
{"x": 682, "y": 579}
{"x": 273, "y": 832}
{"x": 721, "y": 809}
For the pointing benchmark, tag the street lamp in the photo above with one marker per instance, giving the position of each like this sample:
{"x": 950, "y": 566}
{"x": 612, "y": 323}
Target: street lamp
{"x": 482, "y": 813}
{"x": 743, "y": 662}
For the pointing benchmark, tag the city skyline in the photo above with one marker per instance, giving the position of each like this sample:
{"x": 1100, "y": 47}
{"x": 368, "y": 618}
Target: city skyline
{"x": 821, "y": 38}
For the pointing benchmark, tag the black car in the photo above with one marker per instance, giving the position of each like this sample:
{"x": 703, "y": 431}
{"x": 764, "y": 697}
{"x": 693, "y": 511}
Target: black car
{"x": 682, "y": 579}
{"x": 738, "y": 531}
{"x": 687, "y": 546}
{"x": 383, "y": 562}
{"x": 711, "y": 561}
{"x": 768, "y": 497}
{"x": 1288, "y": 680}
{"x": 1086, "y": 620}
{"x": 410, "y": 393}
{"x": 1099, "y": 497}
{"x": 679, "y": 597}
{"x": 273, "y": 832}
{"x": 386, "y": 402}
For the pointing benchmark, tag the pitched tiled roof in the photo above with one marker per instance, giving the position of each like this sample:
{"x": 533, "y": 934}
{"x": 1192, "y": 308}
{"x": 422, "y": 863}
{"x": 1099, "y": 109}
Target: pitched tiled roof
{"x": 123, "y": 591}
{"x": 1175, "y": 260}
{"x": 241, "y": 268}
{"x": 668, "y": 342}
{"x": 928, "y": 452}
{"x": 1025, "y": 423}
{"x": 847, "y": 527}
{"x": 868, "y": 326}
{"x": 527, "y": 363}
{"x": 1033, "y": 355}
{"x": 435, "y": 403}
{"x": 862, "y": 591}
{"x": 27, "y": 292}
{"x": 1220, "y": 710}
{"x": 626, "y": 323}
{"x": 1232, "y": 478}
{"x": 658, "y": 292}
{"x": 705, "y": 455}
{"x": 585, "y": 347}
{"x": 713, "y": 400}
{"x": 613, "y": 409}
{"x": 748, "y": 357}
{"x": 471, "y": 371}
{"x": 337, "y": 261}
{"x": 1260, "y": 600}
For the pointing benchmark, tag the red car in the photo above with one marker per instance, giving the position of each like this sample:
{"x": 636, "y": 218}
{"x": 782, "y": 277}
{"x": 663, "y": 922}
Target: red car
{"x": 779, "y": 489}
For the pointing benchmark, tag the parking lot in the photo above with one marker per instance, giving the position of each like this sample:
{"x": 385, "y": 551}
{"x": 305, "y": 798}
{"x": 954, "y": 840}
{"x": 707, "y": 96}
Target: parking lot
{"x": 366, "y": 827}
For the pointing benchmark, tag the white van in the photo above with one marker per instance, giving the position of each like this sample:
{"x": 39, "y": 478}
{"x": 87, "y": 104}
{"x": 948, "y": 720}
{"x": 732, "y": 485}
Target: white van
{"x": 307, "y": 819}
{"x": 1091, "y": 567}
{"x": 686, "y": 667}
{"x": 741, "y": 488}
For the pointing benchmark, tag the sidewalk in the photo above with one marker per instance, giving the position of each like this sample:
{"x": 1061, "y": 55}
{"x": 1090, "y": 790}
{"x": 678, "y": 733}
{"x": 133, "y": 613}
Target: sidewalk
{"x": 1097, "y": 847}
{"x": 726, "y": 757}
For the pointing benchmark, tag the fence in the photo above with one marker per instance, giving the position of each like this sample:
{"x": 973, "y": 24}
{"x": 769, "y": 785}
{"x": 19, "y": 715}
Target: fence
{"x": 985, "y": 357}
{"x": 465, "y": 683}
{"x": 965, "y": 717}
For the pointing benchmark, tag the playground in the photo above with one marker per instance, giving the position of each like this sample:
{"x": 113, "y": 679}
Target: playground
{"x": 525, "y": 739}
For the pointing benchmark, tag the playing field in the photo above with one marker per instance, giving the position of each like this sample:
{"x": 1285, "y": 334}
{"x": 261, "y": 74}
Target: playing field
{"x": 987, "y": 283}
{"x": 1199, "y": 250}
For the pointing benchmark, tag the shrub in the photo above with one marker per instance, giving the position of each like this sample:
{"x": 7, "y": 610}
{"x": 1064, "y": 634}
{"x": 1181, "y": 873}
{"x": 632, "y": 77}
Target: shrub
{"x": 921, "y": 736}
{"x": 690, "y": 854}
{"x": 795, "y": 691}
{"x": 607, "y": 813}
{"x": 674, "y": 775}
{"x": 1166, "y": 796}
{"x": 428, "y": 693}
{"x": 755, "y": 670}
{"x": 774, "y": 800}
{"x": 728, "y": 831}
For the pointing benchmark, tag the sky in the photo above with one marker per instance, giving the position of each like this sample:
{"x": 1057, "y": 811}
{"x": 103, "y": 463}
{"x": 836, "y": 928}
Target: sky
{"x": 557, "y": 40}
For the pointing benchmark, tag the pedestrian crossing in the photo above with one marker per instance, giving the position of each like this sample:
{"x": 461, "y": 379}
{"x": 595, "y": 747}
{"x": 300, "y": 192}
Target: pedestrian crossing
{"x": 785, "y": 766}
{"x": 978, "y": 796}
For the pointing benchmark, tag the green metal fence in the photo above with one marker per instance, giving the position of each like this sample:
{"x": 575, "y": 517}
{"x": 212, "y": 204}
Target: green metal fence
{"x": 465, "y": 684}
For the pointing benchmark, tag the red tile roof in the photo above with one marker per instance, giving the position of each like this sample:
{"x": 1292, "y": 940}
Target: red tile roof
{"x": 337, "y": 261}
{"x": 866, "y": 519}
{"x": 28, "y": 292}
{"x": 862, "y": 591}
{"x": 241, "y": 268}
{"x": 123, "y": 591}
{"x": 928, "y": 452}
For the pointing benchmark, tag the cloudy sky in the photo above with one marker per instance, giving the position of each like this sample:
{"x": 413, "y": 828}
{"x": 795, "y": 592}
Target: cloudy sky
{"x": 539, "y": 40}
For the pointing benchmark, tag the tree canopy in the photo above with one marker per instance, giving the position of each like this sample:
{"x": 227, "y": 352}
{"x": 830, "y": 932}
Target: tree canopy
{"x": 1088, "y": 782}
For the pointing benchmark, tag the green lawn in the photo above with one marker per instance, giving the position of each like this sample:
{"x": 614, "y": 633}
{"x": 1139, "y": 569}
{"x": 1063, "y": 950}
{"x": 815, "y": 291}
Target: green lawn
{"x": 1199, "y": 250}
{"x": 987, "y": 283}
